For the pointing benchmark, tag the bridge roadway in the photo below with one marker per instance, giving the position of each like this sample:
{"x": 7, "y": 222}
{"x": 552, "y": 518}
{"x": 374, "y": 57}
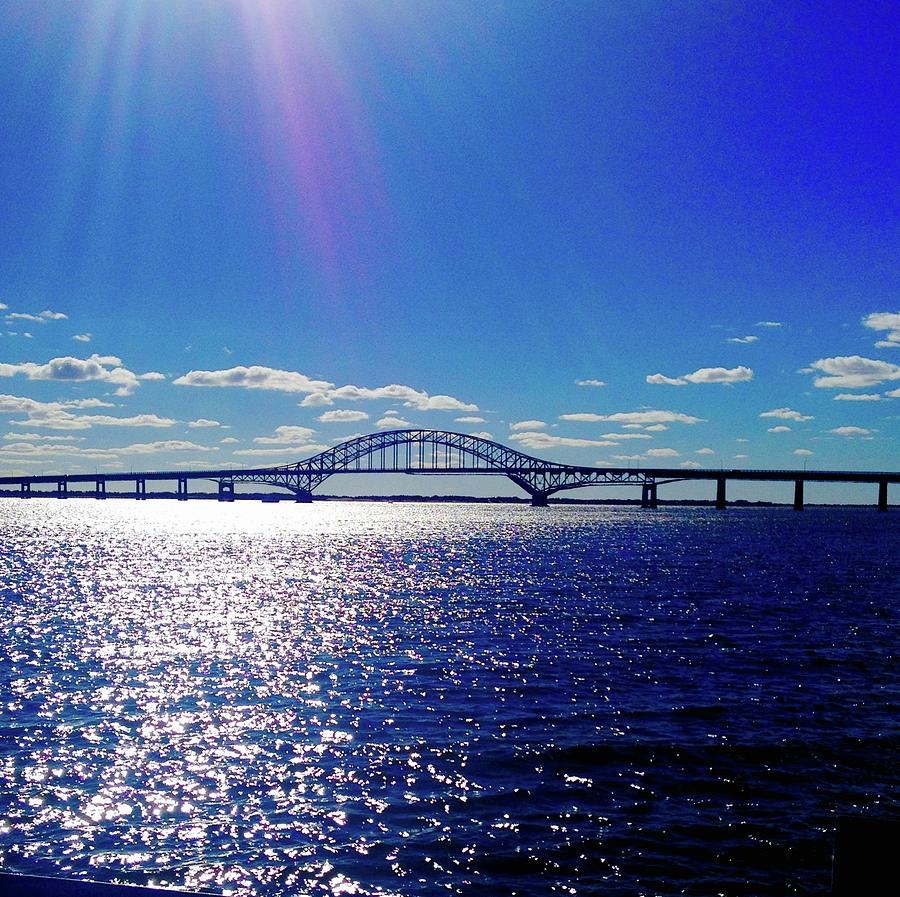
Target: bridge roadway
{"x": 437, "y": 452}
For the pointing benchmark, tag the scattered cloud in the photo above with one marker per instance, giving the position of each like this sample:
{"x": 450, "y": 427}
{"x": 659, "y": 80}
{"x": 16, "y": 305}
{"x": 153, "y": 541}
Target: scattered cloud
{"x": 482, "y": 435}
{"x": 803, "y": 452}
{"x": 779, "y": 429}
{"x": 255, "y": 377}
{"x": 857, "y": 397}
{"x": 203, "y": 423}
{"x": 628, "y": 457}
{"x": 287, "y": 435}
{"x": 229, "y": 440}
{"x": 704, "y": 451}
{"x": 653, "y": 428}
{"x": 469, "y": 419}
{"x": 590, "y": 383}
{"x": 37, "y": 437}
{"x": 392, "y": 422}
{"x": 165, "y": 445}
{"x": 663, "y": 380}
{"x": 635, "y": 417}
{"x": 83, "y": 337}
{"x": 690, "y": 464}
{"x": 743, "y": 340}
{"x": 853, "y": 372}
{"x": 105, "y": 368}
{"x": 885, "y": 320}
{"x": 58, "y": 416}
{"x": 739, "y": 374}
{"x": 662, "y": 453}
{"x": 528, "y": 425}
{"x": 741, "y": 457}
{"x": 619, "y": 436}
{"x": 786, "y": 414}
{"x": 537, "y": 440}
{"x": 768, "y": 323}
{"x": 411, "y": 398}
{"x": 342, "y": 416}
{"x": 39, "y": 318}
{"x": 304, "y": 451}
{"x": 893, "y": 394}
{"x": 851, "y": 431}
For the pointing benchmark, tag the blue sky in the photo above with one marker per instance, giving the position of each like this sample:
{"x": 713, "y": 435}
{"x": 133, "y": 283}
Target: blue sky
{"x": 239, "y": 230}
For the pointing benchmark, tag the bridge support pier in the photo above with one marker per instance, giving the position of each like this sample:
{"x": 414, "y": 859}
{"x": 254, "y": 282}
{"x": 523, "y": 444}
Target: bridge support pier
{"x": 721, "y": 503}
{"x": 100, "y": 488}
{"x": 649, "y": 497}
{"x": 882, "y": 496}
{"x": 303, "y": 496}
{"x": 182, "y": 489}
{"x": 25, "y": 490}
{"x": 798, "y": 495}
{"x": 226, "y": 490}
{"x": 539, "y": 499}
{"x": 62, "y": 488}
{"x": 140, "y": 489}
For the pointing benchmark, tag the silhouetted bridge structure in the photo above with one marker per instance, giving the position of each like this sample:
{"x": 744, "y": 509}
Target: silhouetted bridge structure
{"x": 436, "y": 452}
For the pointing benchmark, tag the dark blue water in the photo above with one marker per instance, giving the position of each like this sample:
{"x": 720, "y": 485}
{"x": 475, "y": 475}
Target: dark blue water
{"x": 422, "y": 699}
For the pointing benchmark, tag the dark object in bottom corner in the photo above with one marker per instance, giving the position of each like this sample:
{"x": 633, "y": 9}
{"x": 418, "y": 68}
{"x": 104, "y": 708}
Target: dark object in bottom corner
{"x": 865, "y": 856}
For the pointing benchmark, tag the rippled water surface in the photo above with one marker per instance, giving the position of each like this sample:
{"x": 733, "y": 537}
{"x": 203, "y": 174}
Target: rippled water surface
{"x": 419, "y": 699}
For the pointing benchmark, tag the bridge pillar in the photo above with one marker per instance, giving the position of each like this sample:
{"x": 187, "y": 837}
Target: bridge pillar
{"x": 62, "y": 488}
{"x": 539, "y": 499}
{"x": 798, "y": 495}
{"x": 182, "y": 489}
{"x": 645, "y": 496}
{"x": 882, "y": 496}
{"x": 25, "y": 490}
{"x": 721, "y": 503}
{"x": 226, "y": 490}
{"x": 140, "y": 489}
{"x": 99, "y": 488}
{"x": 303, "y": 496}
{"x": 654, "y": 502}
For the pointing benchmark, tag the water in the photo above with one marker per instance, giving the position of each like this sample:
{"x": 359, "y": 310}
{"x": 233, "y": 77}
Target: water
{"x": 418, "y": 699}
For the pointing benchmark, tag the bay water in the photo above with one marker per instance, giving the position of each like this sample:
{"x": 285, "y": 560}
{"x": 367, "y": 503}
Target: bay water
{"x": 417, "y": 699}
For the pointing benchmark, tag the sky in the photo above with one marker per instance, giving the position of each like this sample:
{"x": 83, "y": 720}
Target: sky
{"x": 237, "y": 232}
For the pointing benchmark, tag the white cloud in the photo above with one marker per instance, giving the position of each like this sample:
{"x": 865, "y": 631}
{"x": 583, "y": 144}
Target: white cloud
{"x": 152, "y": 375}
{"x": 590, "y": 383}
{"x": 744, "y": 340}
{"x": 628, "y": 457}
{"x": 105, "y": 368}
{"x": 803, "y": 452}
{"x": 662, "y": 453}
{"x": 857, "y": 397}
{"x": 618, "y": 436}
{"x": 482, "y": 435}
{"x": 411, "y": 398}
{"x": 203, "y": 423}
{"x": 705, "y": 375}
{"x": 528, "y": 425}
{"x": 166, "y": 445}
{"x": 57, "y": 416}
{"x": 642, "y": 417}
{"x": 893, "y": 394}
{"x": 741, "y": 457}
{"x": 287, "y": 435}
{"x": 768, "y": 323}
{"x": 40, "y": 318}
{"x": 654, "y": 428}
{"x": 392, "y": 422}
{"x": 663, "y": 380}
{"x": 37, "y": 437}
{"x": 255, "y": 377}
{"x": 229, "y": 440}
{"x": 82, "y": 337}
{"x": 853, "y": 372}
{"x": 851, "y": 431}
{"x": 704, "y": 451}
{"x": 536, "y": 440}
{"x": 779, "y": 429}
{"x": 469, "y": 419}
{"x": 342, "y": 416}
{"x": 690, "y": 464}
{"x": 786, "y": 414}
{"x": 885, "y": 320}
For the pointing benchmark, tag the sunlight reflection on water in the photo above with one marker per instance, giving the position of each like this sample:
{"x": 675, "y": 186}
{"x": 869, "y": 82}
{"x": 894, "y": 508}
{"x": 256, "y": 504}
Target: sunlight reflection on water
{"x": 389, "y": 698}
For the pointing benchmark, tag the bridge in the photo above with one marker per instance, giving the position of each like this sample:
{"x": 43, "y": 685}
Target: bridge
{"x": 438, "y": 452}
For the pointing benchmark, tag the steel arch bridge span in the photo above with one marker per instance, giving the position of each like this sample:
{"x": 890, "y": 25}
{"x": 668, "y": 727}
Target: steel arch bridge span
{"x": 421, "y": 452}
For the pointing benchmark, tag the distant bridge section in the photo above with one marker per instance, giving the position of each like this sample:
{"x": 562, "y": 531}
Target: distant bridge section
{"x": 438, "y": 452}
